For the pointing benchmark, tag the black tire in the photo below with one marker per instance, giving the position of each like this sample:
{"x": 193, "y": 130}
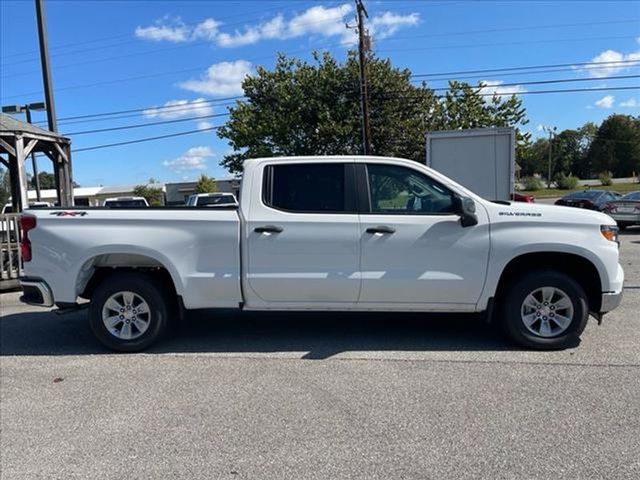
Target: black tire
{"x": 512, "y": 309}
{"x": 144, "y": 287}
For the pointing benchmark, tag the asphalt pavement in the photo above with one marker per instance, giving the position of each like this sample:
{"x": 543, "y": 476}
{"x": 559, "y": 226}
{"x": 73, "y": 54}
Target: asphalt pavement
{"x": 306, "y": 396}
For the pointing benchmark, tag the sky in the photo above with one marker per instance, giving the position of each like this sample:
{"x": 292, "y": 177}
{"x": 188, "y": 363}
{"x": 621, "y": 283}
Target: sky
{"x": 176, "y": 60}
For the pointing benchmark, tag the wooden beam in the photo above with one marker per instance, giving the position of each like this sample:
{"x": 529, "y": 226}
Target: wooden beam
{"x": 30, "y": 146}
{"x": 10, "y": 150}
{"x": 61, "y": 152}
{"x": 51, "y": 156}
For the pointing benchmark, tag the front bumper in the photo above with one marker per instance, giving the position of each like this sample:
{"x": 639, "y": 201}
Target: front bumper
{"x": 36, "y": 292}
{"x": 610, "y": 301}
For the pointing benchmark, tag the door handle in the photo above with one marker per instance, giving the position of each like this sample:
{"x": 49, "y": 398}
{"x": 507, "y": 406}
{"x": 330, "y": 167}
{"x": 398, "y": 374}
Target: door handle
{"x": 268, "y": 229}
{"x": 381, "y": 229}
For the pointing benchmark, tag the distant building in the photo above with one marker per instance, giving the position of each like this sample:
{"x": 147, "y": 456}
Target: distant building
{"x": 89, "y": 196}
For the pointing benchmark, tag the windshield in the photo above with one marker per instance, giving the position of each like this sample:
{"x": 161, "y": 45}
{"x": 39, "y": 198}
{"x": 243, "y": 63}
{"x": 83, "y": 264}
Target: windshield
{"x": 587, "y": 194}
{"x": 631, "y": 196}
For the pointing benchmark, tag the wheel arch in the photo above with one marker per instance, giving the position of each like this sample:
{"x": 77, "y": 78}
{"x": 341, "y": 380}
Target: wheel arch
{"x": 581, "y": 269}
{"x": 101, "y": 264}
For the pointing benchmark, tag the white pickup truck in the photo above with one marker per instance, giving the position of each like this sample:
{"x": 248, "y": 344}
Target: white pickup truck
{"x": 329, "y": 233}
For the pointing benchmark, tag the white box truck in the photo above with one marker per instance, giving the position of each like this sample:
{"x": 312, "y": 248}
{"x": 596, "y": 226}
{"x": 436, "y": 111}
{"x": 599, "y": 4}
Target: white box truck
{"x": 483, "y": 160}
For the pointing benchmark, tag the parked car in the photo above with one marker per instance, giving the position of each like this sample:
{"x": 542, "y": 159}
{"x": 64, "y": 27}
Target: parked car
{"x": 124, "y": 202}
{"x": 626, "y": 210}
{"x": 8, "y": 208}
{"x": 212, "y": 200}
{"x": 589, "y": 199}
{"x": 329, "y": 233}
{"x": 518, "y": 197}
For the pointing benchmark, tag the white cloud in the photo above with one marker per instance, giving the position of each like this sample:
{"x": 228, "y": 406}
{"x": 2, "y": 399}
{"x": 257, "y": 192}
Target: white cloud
{"x": 609, "y": 63}
{"x": 387, "y": 24}
{"x": 540, "y": 128}
{"x": 274, "y": 28}
{"x": 223, "y": 78}
{"x": 166, "y": 29}
{"x": 206, "y": 30}
{"x": 193, "y": 159}
{"x": 631, "y": 103}
{"x": 173, "y": 29}
{"x": 605, "y": 102}
{"x": 317, "y": 20}
{"x": 204, "y": 125}
{"x": 494, "y": 87}
{"x": 180, "y": 109}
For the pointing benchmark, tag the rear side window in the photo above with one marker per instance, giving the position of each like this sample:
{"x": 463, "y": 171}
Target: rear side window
{"x": 307, "y": 188}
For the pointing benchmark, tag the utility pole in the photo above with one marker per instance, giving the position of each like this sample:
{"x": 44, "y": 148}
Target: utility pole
{"x": 46, "y": 69}
{"x": 551, "y": 131}
{"x": 363, "y": 47}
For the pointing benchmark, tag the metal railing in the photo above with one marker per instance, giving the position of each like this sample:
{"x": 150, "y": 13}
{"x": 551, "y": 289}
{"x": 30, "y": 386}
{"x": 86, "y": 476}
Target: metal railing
{"x": 10, "y": 255}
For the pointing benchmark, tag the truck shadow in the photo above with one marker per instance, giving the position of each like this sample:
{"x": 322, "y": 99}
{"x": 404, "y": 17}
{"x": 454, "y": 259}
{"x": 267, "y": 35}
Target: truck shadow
{"x": 320, "y": 335}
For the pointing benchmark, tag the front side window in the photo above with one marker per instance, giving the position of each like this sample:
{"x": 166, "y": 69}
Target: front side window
{"x": 306, "y": 187}
{"x": 399, "y": 190}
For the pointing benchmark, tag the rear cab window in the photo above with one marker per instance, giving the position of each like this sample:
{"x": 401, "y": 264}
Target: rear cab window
{"x": 310, "y": 187}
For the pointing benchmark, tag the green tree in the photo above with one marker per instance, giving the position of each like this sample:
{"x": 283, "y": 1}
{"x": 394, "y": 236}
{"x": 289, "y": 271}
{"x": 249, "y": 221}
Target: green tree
{"x": 300, "y": 108}
{"x": 534, "y": 158}
{"x": 616, "y": 146}
{"x": 47, "y": 181}
{"x": 153, "y": 195}
{"x": 206, "y": 184}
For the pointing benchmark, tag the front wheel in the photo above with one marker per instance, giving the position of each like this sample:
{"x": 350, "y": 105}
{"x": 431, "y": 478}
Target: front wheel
{"x": 128, "y": 311}
{"x": 545, "y": 310}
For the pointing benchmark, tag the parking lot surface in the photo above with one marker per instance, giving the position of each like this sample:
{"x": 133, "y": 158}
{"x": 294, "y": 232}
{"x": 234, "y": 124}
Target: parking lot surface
{"x": 275, "y": 396}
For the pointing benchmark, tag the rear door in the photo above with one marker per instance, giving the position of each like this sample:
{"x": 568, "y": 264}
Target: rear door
{"x": 415, "y": 252}
{"x": 303, "y": 237}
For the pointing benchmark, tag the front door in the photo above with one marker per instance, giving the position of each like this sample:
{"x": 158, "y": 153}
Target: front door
{"x": 415, "y": 253}
{"x": 303, "y": 238}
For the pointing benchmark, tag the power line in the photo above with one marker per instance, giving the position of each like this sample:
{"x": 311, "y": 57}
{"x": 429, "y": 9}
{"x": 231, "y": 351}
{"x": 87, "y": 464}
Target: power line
{"x": 502, "y": 44}
{"x": 147, "y": 139}
{"x": 189, "y": 132}
{"x": 511, "y": 29}
{"x": 160, "y": 74}
{"x": 128, "y": 35}
{"x": 534, "y": 67}
{"x": 175, "y": 108}
{"x": 151, "y": 124}
{"x": 543, "y": 82}
{"x": 184, "y": 45}
{"x": 172, "y": 108}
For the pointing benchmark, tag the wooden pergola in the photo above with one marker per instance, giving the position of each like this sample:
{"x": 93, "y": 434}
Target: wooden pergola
{"x": 18, "y": 140}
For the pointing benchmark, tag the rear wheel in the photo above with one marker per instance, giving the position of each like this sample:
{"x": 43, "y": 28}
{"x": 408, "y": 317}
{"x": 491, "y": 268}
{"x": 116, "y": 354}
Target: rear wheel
{"x": 128, "y": 311}
{"x": 545, "y": 310}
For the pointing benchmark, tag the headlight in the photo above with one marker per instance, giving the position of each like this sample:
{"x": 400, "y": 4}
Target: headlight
{"x": 610, "y": 232}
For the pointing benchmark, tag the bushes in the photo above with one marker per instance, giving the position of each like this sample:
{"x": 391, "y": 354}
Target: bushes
{"x": 566, "y": 182}
{"x": 532, "y": 184}
{"x": 606, "y": 178}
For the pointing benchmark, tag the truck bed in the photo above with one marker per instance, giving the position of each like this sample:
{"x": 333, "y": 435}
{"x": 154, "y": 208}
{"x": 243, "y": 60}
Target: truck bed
{"x": 199, "y": 247}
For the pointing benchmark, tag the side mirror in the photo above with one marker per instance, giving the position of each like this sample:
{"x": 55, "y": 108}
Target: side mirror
{"x": 466, "y": 208}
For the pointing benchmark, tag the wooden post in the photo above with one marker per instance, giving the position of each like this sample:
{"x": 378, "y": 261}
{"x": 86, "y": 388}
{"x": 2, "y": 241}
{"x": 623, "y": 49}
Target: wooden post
{"x": 22, "y": 200}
